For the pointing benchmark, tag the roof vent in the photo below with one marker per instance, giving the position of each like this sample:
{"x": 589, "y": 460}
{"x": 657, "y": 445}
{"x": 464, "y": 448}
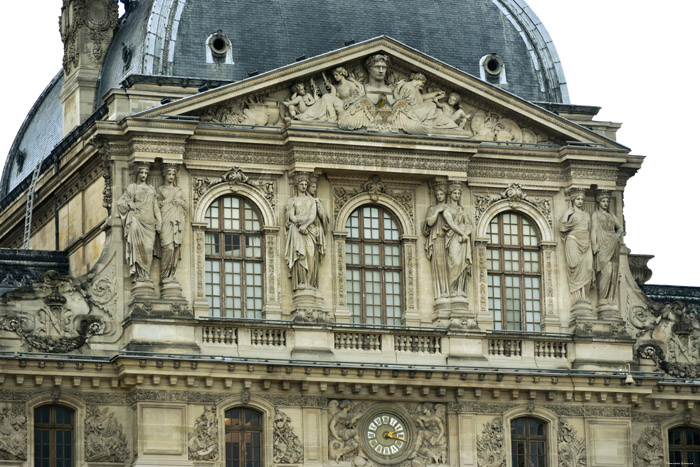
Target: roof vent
{"x": 219, "y": 48}
{"x": 493, "y": 69}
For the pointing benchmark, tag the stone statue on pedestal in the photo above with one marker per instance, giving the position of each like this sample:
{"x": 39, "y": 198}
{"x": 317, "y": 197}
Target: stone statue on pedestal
{"x": 576, "y": 231}
{"x": 173, "y": 207}
{"x": 606, "y": 236}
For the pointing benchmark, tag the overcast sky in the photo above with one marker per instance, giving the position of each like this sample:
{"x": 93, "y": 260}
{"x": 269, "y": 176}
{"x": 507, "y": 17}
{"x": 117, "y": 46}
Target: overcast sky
{"x": 633, "y": 58}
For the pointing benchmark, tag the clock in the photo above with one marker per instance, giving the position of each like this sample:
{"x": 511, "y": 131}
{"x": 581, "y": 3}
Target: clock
{"x": 387, "y": 434}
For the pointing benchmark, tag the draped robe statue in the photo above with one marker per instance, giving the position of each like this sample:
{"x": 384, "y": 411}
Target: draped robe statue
{"x": 606, "y": 233}
{"x": 576, "y": 230}
{"x": 173, "y": 209}
{"x": 141, "y": 219}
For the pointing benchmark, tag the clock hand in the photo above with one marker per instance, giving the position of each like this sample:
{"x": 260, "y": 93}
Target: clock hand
{"x": 393, "y": 436}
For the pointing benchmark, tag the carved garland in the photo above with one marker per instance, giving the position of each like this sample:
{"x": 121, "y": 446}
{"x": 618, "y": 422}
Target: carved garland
{"x": 374, "y": 187}
{"x": 235, "y": 176}
{"x": 514, "y": 195}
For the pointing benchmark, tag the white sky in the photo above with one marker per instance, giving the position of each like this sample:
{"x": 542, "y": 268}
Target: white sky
{"x": 635, "y": 59}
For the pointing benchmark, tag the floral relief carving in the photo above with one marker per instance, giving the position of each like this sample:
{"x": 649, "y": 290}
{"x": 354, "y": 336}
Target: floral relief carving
{"x": 572, "y": 449}
{"x": 340, "y": 249}
{"x": 234, "y": 176}
{"x": 288, "y": 447}
{"x": 514, "y": 195}
{"x": 648, "y": 450}
{"x": 101, "y": 18}
{"x": 13, "y": 432}
{"x": 489, "y": 445}
{"x": 375, "y": 188}
{"x": 56, "y": 315}
{"x": 202, "y": 442}
{"x": 104, "y": 437}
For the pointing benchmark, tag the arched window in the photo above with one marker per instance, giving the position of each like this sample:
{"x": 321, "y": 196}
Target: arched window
{"x": 53, "y": 436}
{"x": 373, "y": 266}
{"x": 243, "y": 431}
{"x": 234, "y": 259}
{"x": 528, "y": 438}
{"x": 684, "y": 446}
{"x": 514, "y": 273}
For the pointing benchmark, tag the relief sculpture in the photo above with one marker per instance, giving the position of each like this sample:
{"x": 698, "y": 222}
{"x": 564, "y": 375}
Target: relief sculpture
{"x": 448, "y": 243}
{"x": 431, "y": 442}
{"x": 13, "y": 432}
{"x": 344, "y": 435}
{"x": 104, "y": 437}
{"x": 572, "y": 449}
{"x": 288, "y": 447}
{"x": 373, "y": 96}
{"x": 489, "y": 445}
{"x": 202, "y": 444}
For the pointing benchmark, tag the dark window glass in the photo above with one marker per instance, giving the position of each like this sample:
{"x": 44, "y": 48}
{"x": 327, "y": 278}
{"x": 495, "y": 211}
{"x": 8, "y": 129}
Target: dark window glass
{"x": 243, "y": 437}
{"x": 528, "y": 442}
{"x": 53, "y": 436}
{"x": 684, "y": 446}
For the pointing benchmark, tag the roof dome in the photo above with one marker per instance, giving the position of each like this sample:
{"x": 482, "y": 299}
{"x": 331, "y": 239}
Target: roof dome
{"x": 173, "y": 37}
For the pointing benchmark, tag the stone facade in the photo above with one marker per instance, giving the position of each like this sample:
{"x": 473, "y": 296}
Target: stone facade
{"x": 133, "y": 341}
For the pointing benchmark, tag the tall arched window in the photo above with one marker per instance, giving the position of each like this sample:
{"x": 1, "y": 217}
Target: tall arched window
{"x": 243, "y": 432}
{"x": 528, "y": 438}
{"x": 373, "y": 266}
{"x": 684, "y": 446}
{"x": 514, "y": 273}
{"x": 53, "y": 436}
{"x": 234, "y": 259}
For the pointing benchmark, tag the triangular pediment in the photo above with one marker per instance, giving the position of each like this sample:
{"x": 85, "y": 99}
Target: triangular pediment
{"x": 380, "y": 86}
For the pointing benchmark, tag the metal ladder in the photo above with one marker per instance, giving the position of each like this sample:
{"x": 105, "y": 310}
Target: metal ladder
{"x": 30, "y": 207}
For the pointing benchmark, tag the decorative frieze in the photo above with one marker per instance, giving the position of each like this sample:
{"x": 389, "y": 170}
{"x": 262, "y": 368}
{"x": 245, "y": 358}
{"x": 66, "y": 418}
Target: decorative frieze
{"x": 514, "y": 195}
{"x": 374, "y": 187}
{"x": 234, "y": 176}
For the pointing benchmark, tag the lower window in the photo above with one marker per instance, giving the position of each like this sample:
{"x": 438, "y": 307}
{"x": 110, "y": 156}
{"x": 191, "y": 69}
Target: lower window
{"x": 243, "y": 438}
{"x": 53, "y": 436}
{"x": 684, "y": 446}
{"x": 528, "y": 437}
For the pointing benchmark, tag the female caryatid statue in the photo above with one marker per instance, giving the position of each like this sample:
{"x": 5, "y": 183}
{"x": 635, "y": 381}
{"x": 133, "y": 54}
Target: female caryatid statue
{"x": 304, "y": 235}
{"x": 141, "y": 219}
{"x": 576, "y": 231}
{"x": 448, "y": 246}
{"x": 173, "y": 210}
{"x": 606, "y": 235}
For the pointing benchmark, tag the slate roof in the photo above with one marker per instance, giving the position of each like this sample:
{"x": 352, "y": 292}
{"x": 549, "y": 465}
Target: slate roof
{"x": 169, "y": 38}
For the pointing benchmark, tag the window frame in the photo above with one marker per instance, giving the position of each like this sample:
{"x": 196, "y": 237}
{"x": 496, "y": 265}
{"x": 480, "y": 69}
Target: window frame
{"x": 363, "y": 267}
{"x": 260, "y": 430}
{"x": 683, "y": 448}
{"x": 528, "y": 439}
{"x": 243, "y": 259}
{"x": 53, "y": 428}
{"x": 502, "y": 273}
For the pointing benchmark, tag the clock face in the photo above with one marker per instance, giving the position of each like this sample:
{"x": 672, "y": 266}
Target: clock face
{"x": 387, "y": 437}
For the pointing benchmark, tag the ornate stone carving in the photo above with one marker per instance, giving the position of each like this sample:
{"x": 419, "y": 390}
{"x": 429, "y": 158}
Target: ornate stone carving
{"x": 575, "y": 227}
{"x": 287, "y": 447}
{"x": 235, "y": 176}
{"x": 140, "y": 213}
{"x": 669, "y": 335}
{"x": 514, "y": 195}
{"x": 648, "y": 450}
{"x": 344, "y": 437}
{"x": 173, "y": 208}
{"x": 55, "y": 315}
{"x": 104, "y": 437}
{"x": 103, "y": 149}
{"x": 13, "y": 432}
{"x": 606, "y": 236}
{"x": 306, "y": 227}
{"x": 489, "y": 445}
{"x": 100, "y": 17}
{"x": 572, "y": 450}
{"x": 448, "y": 244}
{"x": 431, "y": 441}
{"x": 250, "y": 110}
{"x": 202, "y": 442}
{"x": 374, "y": 187}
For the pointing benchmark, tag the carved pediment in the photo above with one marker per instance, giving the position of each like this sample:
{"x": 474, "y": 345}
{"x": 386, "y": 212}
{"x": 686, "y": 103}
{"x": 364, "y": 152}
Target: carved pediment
{"x": 379, "y": 86}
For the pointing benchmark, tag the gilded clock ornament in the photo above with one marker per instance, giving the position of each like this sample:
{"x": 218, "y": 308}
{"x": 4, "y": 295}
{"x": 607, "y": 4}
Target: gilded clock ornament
{"x": 387, "y": 434}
